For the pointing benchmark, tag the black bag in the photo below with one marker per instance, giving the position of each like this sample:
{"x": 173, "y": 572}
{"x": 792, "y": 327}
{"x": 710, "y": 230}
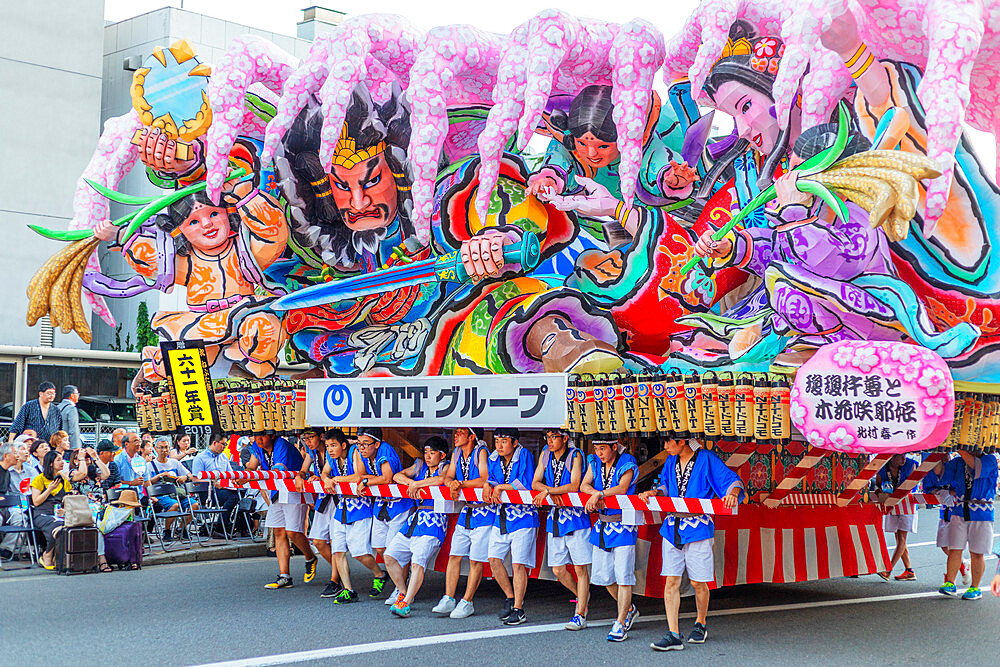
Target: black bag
{"x": 76, "y": 550}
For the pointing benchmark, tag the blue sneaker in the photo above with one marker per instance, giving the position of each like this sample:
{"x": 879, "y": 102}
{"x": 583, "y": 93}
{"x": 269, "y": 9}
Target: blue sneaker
{"x": 399, "y": 609}
{"x": 618, "y": 633}
{"x": 633, "y": 613}
{"x": 699, "y": 634}
{"x": 948, "y": 588}
{"x": 670, "y": 642}
{"x": 973, "y": 594}
{"x": 578, "y": 622}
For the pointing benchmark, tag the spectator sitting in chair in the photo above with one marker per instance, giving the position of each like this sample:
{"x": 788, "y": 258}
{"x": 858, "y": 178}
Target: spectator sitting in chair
{"x": 117, "y": 438}
{"x": 103, "y": 469}
{"x": 9, "y": 516}
{"x": 48, "y": 490}
{"x": 20, "y": 471}
{"x": 183, "y": 451}
{"x": 125, "y": 460}
{"x": 164, "y": 469}
{"x": 76, "y": 468}
{"x": 213, "y": 460}
{"x": 37, "y": 449}
{"x": 60, "y": 442}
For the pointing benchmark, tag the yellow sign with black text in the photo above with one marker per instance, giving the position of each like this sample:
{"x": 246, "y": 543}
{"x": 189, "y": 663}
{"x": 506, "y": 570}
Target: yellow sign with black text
{"x": 188, "y": 372}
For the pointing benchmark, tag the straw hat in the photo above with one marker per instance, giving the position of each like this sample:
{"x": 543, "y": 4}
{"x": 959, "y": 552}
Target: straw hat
{"x": 128, "y": 497}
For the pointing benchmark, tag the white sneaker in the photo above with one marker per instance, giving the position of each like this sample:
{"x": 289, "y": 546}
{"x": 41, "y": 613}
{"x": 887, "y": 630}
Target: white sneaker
{"x": 445, "y": 606}
{"x": 463, "y": 609}
{"x": 392, "y": 598}
{"x": 578, "y": 622}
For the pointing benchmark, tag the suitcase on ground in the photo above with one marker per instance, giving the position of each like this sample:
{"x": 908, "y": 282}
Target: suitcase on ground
{"x": 76, "y": 550}
{"x": 123, "y": 545}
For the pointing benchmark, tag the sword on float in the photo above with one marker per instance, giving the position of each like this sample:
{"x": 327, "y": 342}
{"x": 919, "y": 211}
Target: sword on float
{"x": 447, "y": 268}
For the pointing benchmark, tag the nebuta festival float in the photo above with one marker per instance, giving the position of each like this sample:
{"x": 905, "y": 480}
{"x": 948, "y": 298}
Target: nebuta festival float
{"x": 418, "y": 215}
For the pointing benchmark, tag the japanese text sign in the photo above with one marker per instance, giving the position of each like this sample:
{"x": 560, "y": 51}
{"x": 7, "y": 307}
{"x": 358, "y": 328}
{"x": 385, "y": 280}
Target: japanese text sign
{"x": 874, "y": 397}
{"x": 187, "y": 371}
{"x": 535, "y": 400}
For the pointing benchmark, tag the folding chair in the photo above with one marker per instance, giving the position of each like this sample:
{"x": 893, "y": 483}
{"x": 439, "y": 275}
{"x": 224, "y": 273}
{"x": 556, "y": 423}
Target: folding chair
{"x": 112, "y": 495}
{"x": 246, "y": 508}
{"x": 160, "y": 518}
{"x": 16, "y": 500}
{"x": 209, "y": 508}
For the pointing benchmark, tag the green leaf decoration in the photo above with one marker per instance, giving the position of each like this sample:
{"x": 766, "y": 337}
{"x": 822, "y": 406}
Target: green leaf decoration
{"x": 824, "y": 193}
{"x": 62, "y": 234}
{"x": 824, "y": 159}
{"x": 120, "y": 197}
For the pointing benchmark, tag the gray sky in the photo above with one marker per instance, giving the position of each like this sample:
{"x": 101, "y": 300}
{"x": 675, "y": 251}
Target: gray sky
{"x": 495, "y": 16}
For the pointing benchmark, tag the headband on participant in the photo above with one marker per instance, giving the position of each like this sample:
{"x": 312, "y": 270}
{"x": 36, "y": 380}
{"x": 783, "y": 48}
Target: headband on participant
{"x": 373, "y": 432}
{"x": 513, "y": 433}
{"x": 437, "y": 443}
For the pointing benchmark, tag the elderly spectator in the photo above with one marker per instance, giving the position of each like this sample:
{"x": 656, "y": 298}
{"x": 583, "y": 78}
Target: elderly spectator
{"x": 117, "y": 436}
{"x": 125, "y": 460}
{"x": 164, "y": 469}
{"x": 213, "y": 460}
{"x": 40, "y": 415}
{"x": 60, "y": 443}
{"x": 70, "y": 414}
{"x": 103, "y": 469}
{"x": 183, "y": 451}
{"x": 9, "y": 484}
{"x": 47, "y": 490}
{"x": 37, "y": 449}
{"x": 20, "y": 472}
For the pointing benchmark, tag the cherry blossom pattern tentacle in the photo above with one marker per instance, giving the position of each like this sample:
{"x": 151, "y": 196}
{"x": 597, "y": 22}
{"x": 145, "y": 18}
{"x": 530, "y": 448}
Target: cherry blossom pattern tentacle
{"x": 248, "y": 60}
{"x": 457, "y": 65}
{"x": 825, "y": 84}
{"x": 636, "y": 55}
{"x": 112, "y": 160}
{"x": 714, "y": 18}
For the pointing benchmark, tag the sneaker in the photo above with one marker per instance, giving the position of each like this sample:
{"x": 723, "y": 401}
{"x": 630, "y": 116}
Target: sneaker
{"x": 578, "y": 622}
{"x": 346, "y": 596}
{"x": 463, "y": 609}
{"x": 332, "y": 590}
{"x": 310, "y": 570}
{"x": 633, "y": 613}
{"x": 670, "y": 642}
{"x": 516, "y": 617}
{"x": 966, "y": 572}
{"x": 508, "y": 605}
{"x": 445, "y": 606}
{"x": 392, "y": 596}
{"x": 283, "y": 581}
{"x": 948, "y": 589}
{"x": 378, "y": 583}
{"x": 885, "y": 575}
{"x": 617, "y": 633}
{"x": 973, "y": 594}
{"x": 400, "y": 609}
{"x": 699, "y": 634}
{"x": 907, "y": 575}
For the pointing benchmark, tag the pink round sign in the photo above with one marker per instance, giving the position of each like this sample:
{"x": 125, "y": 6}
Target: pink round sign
{"x": 874, "y": 397}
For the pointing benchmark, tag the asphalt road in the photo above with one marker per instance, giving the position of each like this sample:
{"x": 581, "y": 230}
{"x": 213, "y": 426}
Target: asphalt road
{"x": 197, "y": 613}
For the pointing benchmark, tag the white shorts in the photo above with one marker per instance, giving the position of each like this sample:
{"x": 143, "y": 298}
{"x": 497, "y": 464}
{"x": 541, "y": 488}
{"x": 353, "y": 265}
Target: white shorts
{"x": 321, "y": 524}
{"x": 290, "y": 516}
{"x": 384, "y": 531}
{"x": 419, "y": 549}
{"x": 978, "y": 535}
{"x": 573, "y": 548}
{"x": 697, "y": 557}
{"x": 353, "y": 538}
{"x": 613, "y": 567}
{"x": 893, "y": 522}
{"x": 942, "y": 534}
{"x": 520, "y": 544}
{"x": 473, "y": 543}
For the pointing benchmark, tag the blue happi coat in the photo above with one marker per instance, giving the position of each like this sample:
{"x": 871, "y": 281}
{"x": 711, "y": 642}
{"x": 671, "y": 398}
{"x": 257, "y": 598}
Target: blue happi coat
{"x": 510, "y": 518}
{"x": 610, "y": 534}
{"x": 425, "y": 521}
{"x": 710, "y": 478}
{"x": 473, "y": 515}
{"x": 563, "y": 520}
{"x": 975, "y": 503}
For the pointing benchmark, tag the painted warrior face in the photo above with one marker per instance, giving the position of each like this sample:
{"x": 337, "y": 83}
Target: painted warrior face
{"x": 751, "y": 111}
{"x": 365, "y": 194}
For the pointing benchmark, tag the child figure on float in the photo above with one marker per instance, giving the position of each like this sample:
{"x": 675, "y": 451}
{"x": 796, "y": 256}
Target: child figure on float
{"x": 218, "y": 253}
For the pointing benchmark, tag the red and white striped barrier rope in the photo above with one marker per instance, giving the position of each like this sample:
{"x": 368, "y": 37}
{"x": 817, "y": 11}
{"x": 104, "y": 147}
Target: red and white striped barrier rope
{"x": 810, "y": 499}
{"x": 918, "y": 474}
{"x": 741, "y": 455}
{"x": 795, "y": 476}
{"x": 910, "y": 503}
{"x": 625, "y": 503}
{"x": 246, "y": 474}
{"x": 859, "y": 483}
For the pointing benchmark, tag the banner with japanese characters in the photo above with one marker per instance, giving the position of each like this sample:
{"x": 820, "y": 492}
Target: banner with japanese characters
{"x": 874, "y": 397}
{"x": 535, "y": 400}
{"x": 188, "y": 374}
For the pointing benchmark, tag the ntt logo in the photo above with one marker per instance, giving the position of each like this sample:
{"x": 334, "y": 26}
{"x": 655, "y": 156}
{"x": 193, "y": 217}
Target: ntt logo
{"x": 337, "y": 402}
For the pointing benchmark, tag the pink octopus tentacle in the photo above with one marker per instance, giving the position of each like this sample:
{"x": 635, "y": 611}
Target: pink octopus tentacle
{"x": 448, "y": 71}
{"x": 716, "y": 17}
{"x": 823, "y": 87}
{"x": 635, "y": 57}
{"x": 113, "y": 158}
{"x": 955, "y": 31}
{"x": 801, "y": 36}
{"x": 248, "y": 60}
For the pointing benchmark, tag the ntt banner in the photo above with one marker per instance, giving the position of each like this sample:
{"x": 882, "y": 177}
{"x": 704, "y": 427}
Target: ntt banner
{"x": 525, "y": 401}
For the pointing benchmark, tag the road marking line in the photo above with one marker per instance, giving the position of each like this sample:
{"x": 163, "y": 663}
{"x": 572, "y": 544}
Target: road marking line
{"x": 414, "y": 642}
